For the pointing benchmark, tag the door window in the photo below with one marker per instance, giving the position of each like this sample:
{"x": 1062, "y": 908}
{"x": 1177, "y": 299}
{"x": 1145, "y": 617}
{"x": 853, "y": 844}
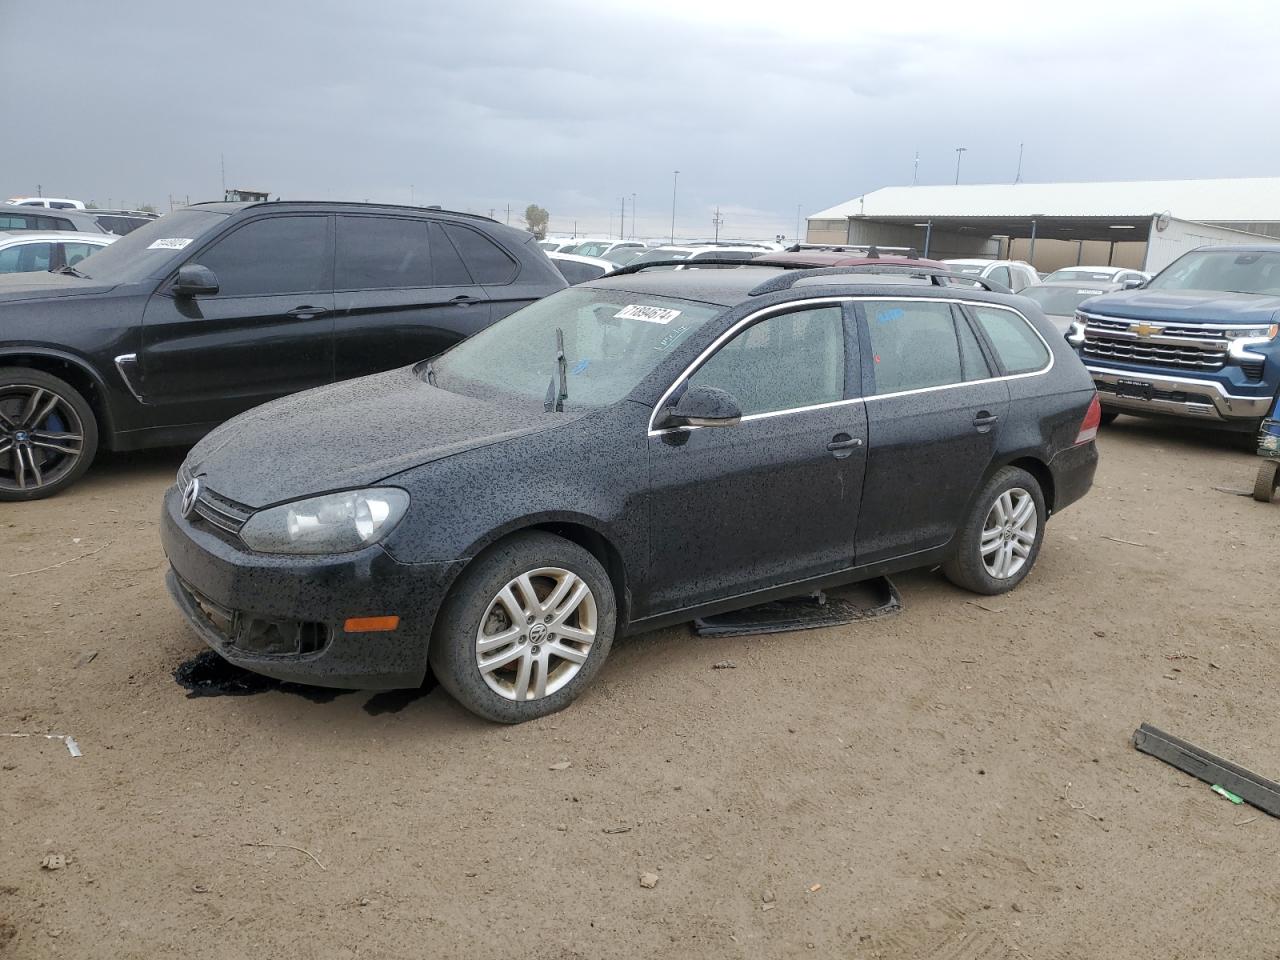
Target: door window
{"x": 270, "y": 256}
{"x": 73, "y": 253}
{"x": 446, "y": 264}
{"x": 485, "y": 260}
{"x": 914, "y": 345}
{"x": 786, "y": 361}
{"x": 1018, "y": 346}
{"x": 379, "y": 252}
{"x": 26, "y": 258}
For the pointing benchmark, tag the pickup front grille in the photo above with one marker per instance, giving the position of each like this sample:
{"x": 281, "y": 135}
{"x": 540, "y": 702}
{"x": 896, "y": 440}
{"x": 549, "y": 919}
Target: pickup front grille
{"x": 1181, "y": 346}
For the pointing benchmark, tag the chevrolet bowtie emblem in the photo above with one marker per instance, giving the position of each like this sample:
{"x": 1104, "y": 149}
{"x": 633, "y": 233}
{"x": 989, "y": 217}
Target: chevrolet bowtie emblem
{"x": 1143, "y": 329}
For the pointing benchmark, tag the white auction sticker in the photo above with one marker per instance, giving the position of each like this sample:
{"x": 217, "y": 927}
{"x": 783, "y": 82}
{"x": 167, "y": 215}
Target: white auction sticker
{"x": 171, "y": 243}
{"x": 637, "y": 311}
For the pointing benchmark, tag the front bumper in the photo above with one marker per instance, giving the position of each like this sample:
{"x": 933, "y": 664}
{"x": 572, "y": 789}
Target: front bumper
{"x": 1176, "y": 396}
{"x": 243, "y": 603}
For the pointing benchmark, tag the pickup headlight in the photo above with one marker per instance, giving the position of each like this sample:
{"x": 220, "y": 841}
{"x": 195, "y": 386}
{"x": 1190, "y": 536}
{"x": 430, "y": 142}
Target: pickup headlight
{"x": 333, "y": 523}
{"x": 1242, "y": 338}
{"x": 1252, "y": 333}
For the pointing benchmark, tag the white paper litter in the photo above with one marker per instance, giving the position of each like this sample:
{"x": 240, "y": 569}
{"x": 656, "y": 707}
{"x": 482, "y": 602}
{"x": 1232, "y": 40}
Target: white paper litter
{"x": 68, "y": 741}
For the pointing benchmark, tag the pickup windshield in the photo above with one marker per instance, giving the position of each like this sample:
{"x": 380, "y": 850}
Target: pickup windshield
{"x": 1231, "y": 271}
{"x": 151, "y": 249}
{"x": 612, "y": 341}
{"x": 1062, "y": 301}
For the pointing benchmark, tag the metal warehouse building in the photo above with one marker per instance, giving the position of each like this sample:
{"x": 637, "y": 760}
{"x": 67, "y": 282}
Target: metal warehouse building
{"x": 1142, "y": 223}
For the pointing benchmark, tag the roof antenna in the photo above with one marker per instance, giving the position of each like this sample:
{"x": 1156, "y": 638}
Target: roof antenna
{"x": 873, "y": 253}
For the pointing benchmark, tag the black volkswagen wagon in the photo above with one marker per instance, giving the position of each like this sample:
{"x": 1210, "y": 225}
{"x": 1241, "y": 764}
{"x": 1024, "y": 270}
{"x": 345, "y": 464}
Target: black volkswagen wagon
{"x": 631, "y": 452}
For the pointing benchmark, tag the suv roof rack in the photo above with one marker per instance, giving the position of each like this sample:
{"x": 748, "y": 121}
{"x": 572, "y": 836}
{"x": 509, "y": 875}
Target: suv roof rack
{"x": 634, "y": 267}
{"x": 873, "y": 250}
{"x": 785, "y": 281}
{"x": 435, "y": 208}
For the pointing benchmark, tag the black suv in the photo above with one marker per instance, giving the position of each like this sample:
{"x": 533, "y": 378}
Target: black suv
{"x": 218, "y": 307}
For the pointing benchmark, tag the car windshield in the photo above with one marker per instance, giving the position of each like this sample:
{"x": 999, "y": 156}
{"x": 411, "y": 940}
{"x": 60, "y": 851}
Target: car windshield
{"x": 1061, "y": 301}
{"x": 662, "y": 253}
{"x": 1232, "y": 271}
{"x": 1076, "y": 275}
{"x": 623, "y": 255}
{"x": 150, "y": 249}
{"x": 612, "y": 340}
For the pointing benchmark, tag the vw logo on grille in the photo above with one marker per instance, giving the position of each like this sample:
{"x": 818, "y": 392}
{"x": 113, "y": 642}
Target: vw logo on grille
{"x": 190, "y": 495}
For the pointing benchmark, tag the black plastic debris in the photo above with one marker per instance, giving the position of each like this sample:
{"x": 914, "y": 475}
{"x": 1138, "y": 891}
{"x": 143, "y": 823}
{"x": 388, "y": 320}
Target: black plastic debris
{"x": 859, "y": 601}
{"x": 208, "y": 675}
{"x": 1255, "y": 790}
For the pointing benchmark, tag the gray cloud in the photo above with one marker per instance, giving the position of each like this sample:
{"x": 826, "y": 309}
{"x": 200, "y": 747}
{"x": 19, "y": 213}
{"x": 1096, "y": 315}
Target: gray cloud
{"x": 573, "y": 104}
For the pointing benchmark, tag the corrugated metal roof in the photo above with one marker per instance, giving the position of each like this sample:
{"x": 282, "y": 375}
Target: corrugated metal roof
{"x": 1246, "y": 199}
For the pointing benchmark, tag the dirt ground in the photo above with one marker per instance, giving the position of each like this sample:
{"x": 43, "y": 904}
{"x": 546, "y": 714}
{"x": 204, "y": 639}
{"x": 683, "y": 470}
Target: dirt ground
{"x": 955, "y": 782}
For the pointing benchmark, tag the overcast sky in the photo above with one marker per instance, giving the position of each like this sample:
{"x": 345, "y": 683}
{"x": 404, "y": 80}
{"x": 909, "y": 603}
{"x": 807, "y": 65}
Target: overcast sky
{"x": 762, "y": 107}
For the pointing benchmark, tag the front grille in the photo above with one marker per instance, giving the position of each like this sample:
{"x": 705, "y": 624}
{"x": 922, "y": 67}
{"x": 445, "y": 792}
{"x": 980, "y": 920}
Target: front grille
{"x": 1177, "y": 346}
{"x": 216, "y": 510}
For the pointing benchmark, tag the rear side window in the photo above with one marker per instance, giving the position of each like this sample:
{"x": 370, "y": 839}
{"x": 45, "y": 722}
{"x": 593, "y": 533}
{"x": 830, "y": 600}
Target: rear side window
{"x": 787, "y": 361}
{"x": 380, "y": 252}
{"x": 913, "y": 345}
{"x": 447, "y": 265}
{"x": 1017, "y": 345}
{"x": 1000, "y": 275}
{"x": 971, "y": 358}
{"x": 485, "y": 260}
{"x": 120, "y": 225}
{"x": 73, "y": 253}
{"x": 270, "y": 256}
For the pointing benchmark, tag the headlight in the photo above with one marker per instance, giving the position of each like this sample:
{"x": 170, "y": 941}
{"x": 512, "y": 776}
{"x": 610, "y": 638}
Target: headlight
{"x": 1252, "y": 333}
{"x": 1242, "y": 338}
{"x": 334, "y": 523}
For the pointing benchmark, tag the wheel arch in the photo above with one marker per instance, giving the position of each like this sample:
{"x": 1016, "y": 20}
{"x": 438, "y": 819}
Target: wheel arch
{"x": 75, "y": 371}
{"x": 584, "y": 531}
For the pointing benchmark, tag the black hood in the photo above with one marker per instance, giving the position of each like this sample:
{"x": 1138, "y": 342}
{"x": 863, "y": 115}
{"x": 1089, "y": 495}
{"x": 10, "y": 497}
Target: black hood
{"x": 352, "y": 434}
{"x": 45, "y": 285}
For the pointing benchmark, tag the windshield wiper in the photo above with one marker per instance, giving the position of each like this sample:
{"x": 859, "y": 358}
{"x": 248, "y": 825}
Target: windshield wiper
{"x": 558, "y": 388}
{"x": 65, "y": 268}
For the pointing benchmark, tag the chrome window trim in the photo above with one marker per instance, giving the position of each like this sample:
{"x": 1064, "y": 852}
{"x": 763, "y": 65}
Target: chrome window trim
{"x": 784, "y": 308}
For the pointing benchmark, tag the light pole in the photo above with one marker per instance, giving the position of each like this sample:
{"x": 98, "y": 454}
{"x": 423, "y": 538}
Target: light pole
{"x": 798, "y": 206}
{"x": 959, "y": 152}
{"x": 675, "y": 180}
{"x": 633, "y": 216}
{"x": 928, "y": 235}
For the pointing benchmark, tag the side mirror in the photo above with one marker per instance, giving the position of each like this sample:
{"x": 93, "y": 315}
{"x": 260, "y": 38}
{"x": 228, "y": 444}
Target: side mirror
{"x": 703, "y": 407}
{"x": 194, "y": 279}
{"x": 1133, "y": 283}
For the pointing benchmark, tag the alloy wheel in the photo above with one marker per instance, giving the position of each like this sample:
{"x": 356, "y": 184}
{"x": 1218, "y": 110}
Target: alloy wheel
{"x": 41, "y": 437}
{"x": 1009, "y": 533}
{"x": 536, "y": 634}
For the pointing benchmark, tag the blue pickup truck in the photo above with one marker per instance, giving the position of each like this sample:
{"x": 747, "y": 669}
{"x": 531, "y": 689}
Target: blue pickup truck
{"x": 1200, "y": 340}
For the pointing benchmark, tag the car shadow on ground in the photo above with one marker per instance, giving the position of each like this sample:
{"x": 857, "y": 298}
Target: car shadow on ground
{"x": 1181, "y": 433}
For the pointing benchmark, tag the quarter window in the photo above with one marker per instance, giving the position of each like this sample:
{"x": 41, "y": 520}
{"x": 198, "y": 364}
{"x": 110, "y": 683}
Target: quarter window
{"x": 270, "y": 256}
{"x": 1000, "y": 275}
{"x": 913, "y": 345}
{"x": 786, "y": 361}
{"x": 485, "y": 260}
{"x": 1019, "y": 347}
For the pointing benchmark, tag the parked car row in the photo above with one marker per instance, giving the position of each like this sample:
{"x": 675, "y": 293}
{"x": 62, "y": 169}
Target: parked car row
{"x": 117, "y": 222}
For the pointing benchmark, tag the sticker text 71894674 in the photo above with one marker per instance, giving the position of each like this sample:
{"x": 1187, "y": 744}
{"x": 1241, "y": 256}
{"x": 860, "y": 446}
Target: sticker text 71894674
{"x": 638, "y": 311}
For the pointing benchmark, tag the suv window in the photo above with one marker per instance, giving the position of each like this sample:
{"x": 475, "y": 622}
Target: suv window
{"x": 1000, "y": 275}
{"x": 73, "y": 253}
{"x": 485, "y": 260}
{"x": 120, "y": 225}
{"x": 786, "y": 361}
{"x": 269, "y": 256}
{"x": 379, "y": 252}
{"x": 446, "y": 265}
{"x": 26, "y": 257}
{"x": 914, "y": 346}
{"x": 1019, "y": 347}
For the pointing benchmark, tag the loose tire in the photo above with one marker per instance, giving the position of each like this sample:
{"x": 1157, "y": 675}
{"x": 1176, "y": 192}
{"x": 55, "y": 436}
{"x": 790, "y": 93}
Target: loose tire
{"x": 1000, "y": 541}
{"x": 1264, "y": 485}
{"x": 48, "y": 434}
{"x": 525, "y": 629}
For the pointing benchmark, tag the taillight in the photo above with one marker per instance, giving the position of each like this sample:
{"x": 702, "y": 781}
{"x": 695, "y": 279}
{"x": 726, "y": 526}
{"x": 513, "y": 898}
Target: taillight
{"x": 1092, "y": 420}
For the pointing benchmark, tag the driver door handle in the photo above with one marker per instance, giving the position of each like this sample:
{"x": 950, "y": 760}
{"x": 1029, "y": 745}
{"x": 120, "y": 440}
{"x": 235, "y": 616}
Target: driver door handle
{"x": 984, "y": 420}
{"x": 463, "y": 300}
{"x": 307, "y": 312}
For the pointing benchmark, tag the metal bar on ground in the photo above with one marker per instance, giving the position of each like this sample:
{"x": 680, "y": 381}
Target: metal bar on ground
{"x": 1255, "y": 790}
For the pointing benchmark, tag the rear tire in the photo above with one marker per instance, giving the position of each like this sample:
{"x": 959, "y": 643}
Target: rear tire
{"x": 48, "y": 434}
{"x": 525, "y": 629}
{"x": 1000, "y": 540}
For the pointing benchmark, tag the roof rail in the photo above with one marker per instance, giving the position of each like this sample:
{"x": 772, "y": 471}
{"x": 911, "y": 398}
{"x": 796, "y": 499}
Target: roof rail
{"x": 434, "y": 208}
{"x": 873, "y": 249}
{"x": 634, "y": 267}
{"x": 785, "y": 281}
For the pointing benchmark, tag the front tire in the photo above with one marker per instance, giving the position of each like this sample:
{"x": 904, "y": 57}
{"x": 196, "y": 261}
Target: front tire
{"x": 1264, "y": 484}
{"x": 48, "y": 434}
{"x": 525, "y": 629}
{"x": 1000, "y": 541}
